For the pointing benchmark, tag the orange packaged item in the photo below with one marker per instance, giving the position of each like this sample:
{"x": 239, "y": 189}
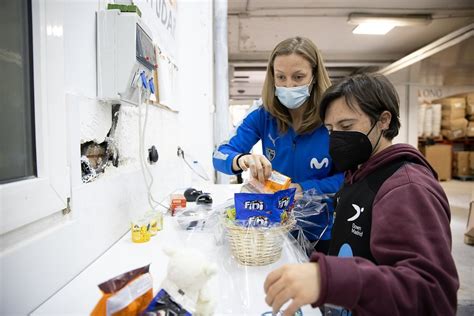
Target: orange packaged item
{"x": 126, "y": 294}
{"x": 277, "y": 182}
{"x": 177, "y": 201}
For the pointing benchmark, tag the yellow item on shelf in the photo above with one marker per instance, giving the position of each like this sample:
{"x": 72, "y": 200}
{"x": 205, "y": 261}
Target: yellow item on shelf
{"x": 155, "y": 219}
{"x": 141, "y": 231}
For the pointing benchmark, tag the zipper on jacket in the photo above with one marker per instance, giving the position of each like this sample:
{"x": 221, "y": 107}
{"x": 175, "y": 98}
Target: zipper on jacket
{"x": 294, "y": 156}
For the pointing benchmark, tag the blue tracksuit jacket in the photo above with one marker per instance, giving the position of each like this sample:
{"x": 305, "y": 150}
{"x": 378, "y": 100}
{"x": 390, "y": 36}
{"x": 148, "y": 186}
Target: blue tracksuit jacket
{"x": 304, "y": 158}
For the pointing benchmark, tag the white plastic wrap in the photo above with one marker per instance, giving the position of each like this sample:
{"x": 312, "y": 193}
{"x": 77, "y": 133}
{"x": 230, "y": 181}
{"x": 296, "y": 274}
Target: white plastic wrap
{"x": 428, "y": 124}
{"x": 197, "y": 218}
{"x": 240, "y": 286}
{"x": 421, "y": 119}
{"x": 307, "y": 212}
{"x": 436, "y": 121}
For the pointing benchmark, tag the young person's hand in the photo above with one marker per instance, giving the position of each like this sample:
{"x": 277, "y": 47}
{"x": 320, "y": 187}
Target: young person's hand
{"x": 300, "y": 283}
{"x": 260, "y": 167}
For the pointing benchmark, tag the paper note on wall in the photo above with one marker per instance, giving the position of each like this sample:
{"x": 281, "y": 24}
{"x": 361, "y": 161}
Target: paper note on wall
{"x": 167, "y": 77}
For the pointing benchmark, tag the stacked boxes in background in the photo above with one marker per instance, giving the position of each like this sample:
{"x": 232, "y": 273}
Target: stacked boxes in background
{"x": 471, "y": 162}
{"x": 452, "y": 155}
{"x": 461, "y": 164}
{"x": 453, "y": 123}
{"x": 448, "y": 164}
{"x": 439, "y": 156}
{"x": 470, "y": 114}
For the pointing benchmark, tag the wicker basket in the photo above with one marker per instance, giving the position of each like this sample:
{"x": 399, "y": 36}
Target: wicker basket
{"x": 253, "y": 246}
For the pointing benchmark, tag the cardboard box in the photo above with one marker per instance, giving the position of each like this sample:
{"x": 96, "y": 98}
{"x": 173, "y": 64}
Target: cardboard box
{"x": 452, "y": 103}
{"x": 454, "y": 114}
{"x": 461, "y": 163}
{"x": 471, "y": 164}
{"x": 470, "y": 129}
{"x": 439, "y": 156}
{"x": 453, "y": 134}
{"x": 469, "y": 234}
{"x": 470, "y": 98}
{"x": 460, "y": 123}
{"x": 452, "y": 108}
{"x": 470, "y": 109}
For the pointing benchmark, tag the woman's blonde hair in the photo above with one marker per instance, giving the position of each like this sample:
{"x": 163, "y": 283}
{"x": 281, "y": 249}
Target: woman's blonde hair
{"x": 308, "y": 50}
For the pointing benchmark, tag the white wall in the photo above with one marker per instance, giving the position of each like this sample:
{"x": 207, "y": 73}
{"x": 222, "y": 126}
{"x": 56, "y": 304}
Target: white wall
{"x": 48, "y": 257}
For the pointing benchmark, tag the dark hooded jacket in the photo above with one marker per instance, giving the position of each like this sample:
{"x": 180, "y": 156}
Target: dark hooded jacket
{"x": 412, "y": 271}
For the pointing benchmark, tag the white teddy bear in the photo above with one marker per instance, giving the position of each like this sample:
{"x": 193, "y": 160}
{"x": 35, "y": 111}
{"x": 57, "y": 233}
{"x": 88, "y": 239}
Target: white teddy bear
{"x": 187, "y": 280}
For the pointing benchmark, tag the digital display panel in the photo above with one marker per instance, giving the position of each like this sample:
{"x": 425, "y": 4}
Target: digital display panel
{"x": 145, "y": 50}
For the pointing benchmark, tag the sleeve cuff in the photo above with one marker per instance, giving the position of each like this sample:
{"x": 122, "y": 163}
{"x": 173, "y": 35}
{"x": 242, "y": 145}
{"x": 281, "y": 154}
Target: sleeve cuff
{"x": 340, "y": 281}
{"x": 320, "y": 259}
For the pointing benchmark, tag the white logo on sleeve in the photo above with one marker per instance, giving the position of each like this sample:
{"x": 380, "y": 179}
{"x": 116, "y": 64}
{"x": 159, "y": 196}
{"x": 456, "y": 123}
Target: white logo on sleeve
{"x": 358, "y": 211}
{"x": 318, "y": 165}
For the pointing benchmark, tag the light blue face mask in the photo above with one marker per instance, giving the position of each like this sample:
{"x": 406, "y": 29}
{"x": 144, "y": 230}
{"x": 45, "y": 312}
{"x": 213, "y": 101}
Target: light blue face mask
{"x": 293, "y": 97}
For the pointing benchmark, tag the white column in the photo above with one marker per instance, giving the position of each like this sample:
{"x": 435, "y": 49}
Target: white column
{"x": 221, "y": 79}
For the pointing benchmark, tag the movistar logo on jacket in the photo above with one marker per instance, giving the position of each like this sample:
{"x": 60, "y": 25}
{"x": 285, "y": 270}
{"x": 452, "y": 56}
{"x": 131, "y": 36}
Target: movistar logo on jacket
{"x": 318, "y": 165}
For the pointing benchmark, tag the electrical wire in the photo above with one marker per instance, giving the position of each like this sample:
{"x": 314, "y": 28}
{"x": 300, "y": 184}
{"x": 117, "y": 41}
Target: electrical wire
{"x": 143, "y": 164}
{"x": 181, "y": 154}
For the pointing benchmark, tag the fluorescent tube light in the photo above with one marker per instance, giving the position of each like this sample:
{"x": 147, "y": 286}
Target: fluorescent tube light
{"x": 373, "y": 28}
{"x": 368, "y": 23}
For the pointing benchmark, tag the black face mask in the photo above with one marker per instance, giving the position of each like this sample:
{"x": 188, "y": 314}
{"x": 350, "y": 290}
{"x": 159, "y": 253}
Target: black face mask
{"x": 349, "y": 149}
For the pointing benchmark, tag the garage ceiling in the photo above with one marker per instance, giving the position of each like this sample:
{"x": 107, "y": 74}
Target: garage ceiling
{"x": 256, "y": 26}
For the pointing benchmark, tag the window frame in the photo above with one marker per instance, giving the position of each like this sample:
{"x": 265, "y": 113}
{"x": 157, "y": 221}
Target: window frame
{"x": 27, "y": 200}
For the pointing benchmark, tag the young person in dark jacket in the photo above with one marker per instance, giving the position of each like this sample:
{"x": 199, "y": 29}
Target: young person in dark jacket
{"x": 390, "y": 252}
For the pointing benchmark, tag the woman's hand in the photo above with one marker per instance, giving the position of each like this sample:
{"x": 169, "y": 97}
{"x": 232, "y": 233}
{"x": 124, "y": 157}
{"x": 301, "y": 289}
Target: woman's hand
{"x": 297, "y": 282}
{"x": 260, "y": 167}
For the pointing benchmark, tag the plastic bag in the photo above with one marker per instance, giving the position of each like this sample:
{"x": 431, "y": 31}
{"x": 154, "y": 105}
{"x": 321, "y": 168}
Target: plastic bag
{"x": 261, "y": 209}
{"x": 276, "y": 182}
{"x": 243, "y": 281}
{"x": 126, "y": 294}
{"x": 240, "y": 286}
{"x": 197, "y": 218}
{"x": 164, "y": 304}
{"x": 307, "y": 211}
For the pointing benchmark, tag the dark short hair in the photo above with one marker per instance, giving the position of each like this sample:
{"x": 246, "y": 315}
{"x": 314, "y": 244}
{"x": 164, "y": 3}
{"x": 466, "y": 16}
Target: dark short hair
{"x": 372, "y": 92}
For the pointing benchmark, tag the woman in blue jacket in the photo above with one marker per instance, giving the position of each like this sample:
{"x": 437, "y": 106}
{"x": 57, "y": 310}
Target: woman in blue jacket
{"x": 294, "y": 141}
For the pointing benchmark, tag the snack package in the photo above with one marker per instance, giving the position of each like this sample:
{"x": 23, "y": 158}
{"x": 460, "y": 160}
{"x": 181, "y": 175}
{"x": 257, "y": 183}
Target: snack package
{"x": 276, "y": 182}
{"x": 126, "y": 294}
{"x": 261, "y": 209}
{"x": 177, "y": 201}
{"x": 163, "y": 304}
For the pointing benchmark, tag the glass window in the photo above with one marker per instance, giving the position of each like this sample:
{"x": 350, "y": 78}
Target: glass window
{"x": 17, "y": 145}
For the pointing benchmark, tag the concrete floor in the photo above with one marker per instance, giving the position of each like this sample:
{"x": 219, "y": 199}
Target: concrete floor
{"x": 459, "y": 195}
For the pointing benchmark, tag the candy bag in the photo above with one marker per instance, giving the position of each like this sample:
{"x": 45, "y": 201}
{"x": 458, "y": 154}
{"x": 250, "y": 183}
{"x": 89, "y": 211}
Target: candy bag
{"x": 126, "y": 294}
{"x": 261, "y": 209}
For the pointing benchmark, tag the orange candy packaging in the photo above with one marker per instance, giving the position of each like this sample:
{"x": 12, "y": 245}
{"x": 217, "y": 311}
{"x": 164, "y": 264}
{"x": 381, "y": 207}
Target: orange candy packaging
{"x": 276, "y": 182}
{"x": 126, "y": 294}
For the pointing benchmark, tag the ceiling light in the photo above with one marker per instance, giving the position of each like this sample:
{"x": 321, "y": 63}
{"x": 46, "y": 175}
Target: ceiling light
{"x": 382, "y": 24}
{"x": 373, "y": 28}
